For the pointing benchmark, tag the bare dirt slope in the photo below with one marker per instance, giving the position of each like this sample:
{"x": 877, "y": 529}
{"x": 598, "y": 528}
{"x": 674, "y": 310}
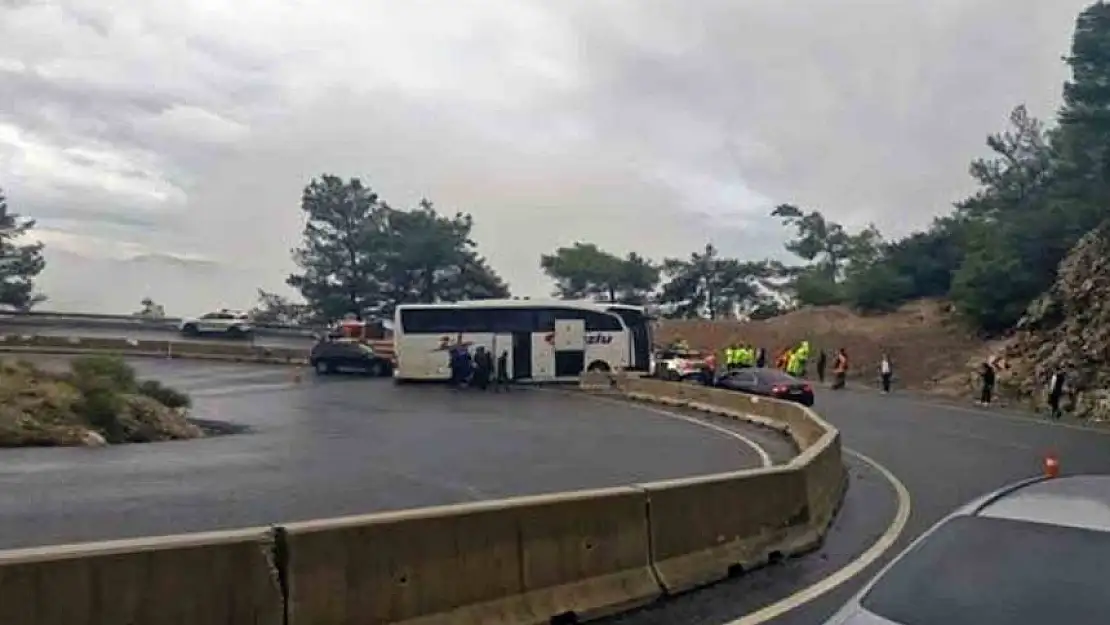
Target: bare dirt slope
{"x": 925, "y": 342}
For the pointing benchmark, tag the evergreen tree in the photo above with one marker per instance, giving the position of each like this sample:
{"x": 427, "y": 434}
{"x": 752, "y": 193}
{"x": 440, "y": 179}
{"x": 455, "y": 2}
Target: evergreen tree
{"x": 20, "y": 263}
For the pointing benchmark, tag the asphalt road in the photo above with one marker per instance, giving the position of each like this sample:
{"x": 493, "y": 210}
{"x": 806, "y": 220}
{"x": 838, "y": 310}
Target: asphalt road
{"x": 146, "y": 334}
{"x": 345, "y": 445}
{"x": 332, "y": 447}
{"x": 943, "y": 455}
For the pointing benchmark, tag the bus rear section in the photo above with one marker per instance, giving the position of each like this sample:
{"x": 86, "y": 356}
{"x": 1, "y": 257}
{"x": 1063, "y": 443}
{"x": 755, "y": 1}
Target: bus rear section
{"x": 540, "y": 343}
{"x": 640, "y": 336}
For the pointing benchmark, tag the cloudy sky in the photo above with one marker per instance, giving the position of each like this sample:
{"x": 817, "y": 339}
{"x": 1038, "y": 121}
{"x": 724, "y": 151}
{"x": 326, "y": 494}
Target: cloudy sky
{"x": 188, "y": 127}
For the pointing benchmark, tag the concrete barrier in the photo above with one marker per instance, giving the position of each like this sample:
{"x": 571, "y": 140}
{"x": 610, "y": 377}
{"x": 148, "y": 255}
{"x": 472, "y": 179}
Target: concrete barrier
{"x": 704, "y": 529}
{"x": 518, "y": 561}
{"x": 512, "y": 562}
{"x": 222, "y": 578}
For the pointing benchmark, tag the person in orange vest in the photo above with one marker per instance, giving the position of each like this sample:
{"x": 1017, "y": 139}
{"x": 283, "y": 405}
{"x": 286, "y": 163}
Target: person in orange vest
{"x": 709, "y": 369}
{"x": 783, "y": 359}
{"x": 840, "y": 369}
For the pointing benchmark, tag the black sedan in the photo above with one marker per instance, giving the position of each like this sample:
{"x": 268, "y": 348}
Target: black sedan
{"x": 338, "y": 354}
{"x": 768, "y": 383}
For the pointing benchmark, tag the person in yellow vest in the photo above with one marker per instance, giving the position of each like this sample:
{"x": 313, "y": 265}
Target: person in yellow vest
{"x": 794, "y": 363}
{"x": 802, "y": 354}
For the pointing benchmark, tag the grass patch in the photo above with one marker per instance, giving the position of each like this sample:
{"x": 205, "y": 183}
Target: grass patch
{"x": 98, "y": 400}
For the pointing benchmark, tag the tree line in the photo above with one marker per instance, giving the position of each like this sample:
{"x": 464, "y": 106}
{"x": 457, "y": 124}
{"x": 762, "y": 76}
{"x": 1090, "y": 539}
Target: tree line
{"x": 1041, "y": 186}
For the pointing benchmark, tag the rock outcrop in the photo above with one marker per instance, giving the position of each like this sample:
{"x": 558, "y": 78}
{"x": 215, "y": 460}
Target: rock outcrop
{"x": 1069, "y": 327}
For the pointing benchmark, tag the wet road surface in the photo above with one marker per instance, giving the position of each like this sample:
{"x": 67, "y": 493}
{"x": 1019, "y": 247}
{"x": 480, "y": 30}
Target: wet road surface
{"x": 342, "y": 445}
{"x": 944, "y": 455}
{"x": 409, "y": 446}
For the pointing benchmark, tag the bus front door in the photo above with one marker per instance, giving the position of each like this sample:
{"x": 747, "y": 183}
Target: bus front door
{"x": 522, "y": 355}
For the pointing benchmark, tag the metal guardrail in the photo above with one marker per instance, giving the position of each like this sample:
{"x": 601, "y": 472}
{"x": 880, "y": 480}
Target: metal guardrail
{"x": 98, "y": 320}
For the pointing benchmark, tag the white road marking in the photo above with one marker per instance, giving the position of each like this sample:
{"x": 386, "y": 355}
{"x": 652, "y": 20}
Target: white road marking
{"x": 764, "y": 457}
{"x": 853, "y": 568}
{"x": 1028, "y": 421}
{"x": 242, "y": 389}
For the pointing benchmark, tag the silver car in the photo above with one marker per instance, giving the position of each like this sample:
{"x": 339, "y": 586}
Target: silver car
{"x": 1035, "y": 553}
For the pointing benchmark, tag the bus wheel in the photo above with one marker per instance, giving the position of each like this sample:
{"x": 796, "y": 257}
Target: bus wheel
{"x": 598, "y": 365}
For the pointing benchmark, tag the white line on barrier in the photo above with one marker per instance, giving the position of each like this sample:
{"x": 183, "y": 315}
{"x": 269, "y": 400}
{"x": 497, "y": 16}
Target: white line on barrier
{"x": 853, "y": 568}
{"x": 764, "y": 457}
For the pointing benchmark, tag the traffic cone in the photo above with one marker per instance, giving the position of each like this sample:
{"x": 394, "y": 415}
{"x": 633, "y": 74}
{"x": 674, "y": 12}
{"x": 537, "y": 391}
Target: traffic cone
{"x": 1051, "y": 465}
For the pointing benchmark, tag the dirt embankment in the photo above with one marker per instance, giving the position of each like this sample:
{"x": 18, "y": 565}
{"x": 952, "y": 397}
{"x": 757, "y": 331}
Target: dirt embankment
{"x": 97, "y": 401}
{"x": 927, "y": 345}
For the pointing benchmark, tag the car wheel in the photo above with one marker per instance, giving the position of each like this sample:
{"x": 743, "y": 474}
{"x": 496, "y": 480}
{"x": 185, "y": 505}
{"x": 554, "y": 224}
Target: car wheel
{"x": 376, "y": 369}
{"x": 190, "y": 329}
{"x": 323, "y": 367}
{"x": 235, "y": 332}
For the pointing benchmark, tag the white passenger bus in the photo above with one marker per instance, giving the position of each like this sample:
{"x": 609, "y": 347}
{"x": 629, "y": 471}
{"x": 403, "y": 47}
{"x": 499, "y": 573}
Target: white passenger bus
{"x": 544, "y": 340}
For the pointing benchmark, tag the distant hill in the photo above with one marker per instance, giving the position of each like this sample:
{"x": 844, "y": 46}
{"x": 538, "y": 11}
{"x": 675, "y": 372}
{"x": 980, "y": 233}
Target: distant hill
{"x": 77, "y": 283}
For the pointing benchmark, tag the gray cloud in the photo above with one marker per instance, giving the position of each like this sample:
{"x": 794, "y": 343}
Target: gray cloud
{"x": 639, "y": 124}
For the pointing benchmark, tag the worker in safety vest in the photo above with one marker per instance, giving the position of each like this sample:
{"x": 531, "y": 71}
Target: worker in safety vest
{"x": 794, "y": 363}
{"x": 802, "y": 354}
{"x": 783, "y": 360}
{"x": 840, "y": 369}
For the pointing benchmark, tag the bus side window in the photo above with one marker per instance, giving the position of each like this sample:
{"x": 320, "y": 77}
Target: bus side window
{"x": 545, "y": 319}
{"x": 421, "y": 321}
{"x": 599, "y": 322}
{"x": 473, "y": 320}
{"x": 508, "y": 320}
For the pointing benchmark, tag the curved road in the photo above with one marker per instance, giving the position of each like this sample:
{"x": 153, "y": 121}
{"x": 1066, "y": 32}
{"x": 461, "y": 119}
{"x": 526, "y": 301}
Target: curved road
{"x": 346, "y": 445}
{"x": 307, "y": 434}
{"x": 944, "y": 455}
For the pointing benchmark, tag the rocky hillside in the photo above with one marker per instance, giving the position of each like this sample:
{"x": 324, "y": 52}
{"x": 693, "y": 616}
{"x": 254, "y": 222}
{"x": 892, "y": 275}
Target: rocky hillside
{"x": 924, "y": 340}
{"x": 1069, "y": 327}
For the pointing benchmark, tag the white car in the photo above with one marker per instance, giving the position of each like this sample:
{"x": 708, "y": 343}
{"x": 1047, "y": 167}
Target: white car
{"x": 232, "y": 323}
{"x": 1033, "y": 553}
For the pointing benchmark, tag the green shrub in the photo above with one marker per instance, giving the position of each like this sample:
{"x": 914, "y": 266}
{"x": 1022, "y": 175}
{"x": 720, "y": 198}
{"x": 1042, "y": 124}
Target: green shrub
{"x": 112, "y": 370}
{"x": 100, "y": 406}
{"x": 165, "y": 395}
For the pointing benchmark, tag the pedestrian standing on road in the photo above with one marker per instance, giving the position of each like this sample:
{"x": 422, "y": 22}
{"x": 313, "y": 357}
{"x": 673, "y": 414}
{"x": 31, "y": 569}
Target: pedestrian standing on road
{"x": 483, "y": 368}
{"x": 886, "y": 372}
{"x": 1056, "y": 392}
{"x": 454, "y": 360}
{"x": 986, "y": 378}
{"x": 840, "y": 369}
{"x": 502, "y": 382}
{"x": 822, "y": 363}
{"x": 761, "y": 358}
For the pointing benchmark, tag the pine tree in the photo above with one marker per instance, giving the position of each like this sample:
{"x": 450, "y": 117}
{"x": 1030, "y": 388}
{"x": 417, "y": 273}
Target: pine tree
{"x": 20, "y": 263}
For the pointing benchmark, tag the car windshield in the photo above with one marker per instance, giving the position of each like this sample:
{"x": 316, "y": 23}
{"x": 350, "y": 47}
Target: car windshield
{"x": 987, "y": 571}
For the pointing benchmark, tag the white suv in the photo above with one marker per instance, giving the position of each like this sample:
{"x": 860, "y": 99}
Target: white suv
{"x": 232, "y": 323}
